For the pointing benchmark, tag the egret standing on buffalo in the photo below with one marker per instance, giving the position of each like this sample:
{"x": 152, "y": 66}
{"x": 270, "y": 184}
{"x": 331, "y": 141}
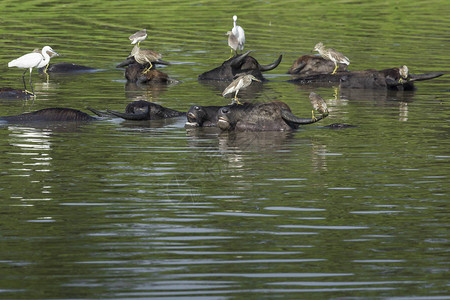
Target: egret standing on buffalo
{"x": 30, "y": 61}
{"x": 241, "y": 82}
{"x": 239, "y": 33}
{"x": 333, "y": 55}
{"x": 232, "y": 42}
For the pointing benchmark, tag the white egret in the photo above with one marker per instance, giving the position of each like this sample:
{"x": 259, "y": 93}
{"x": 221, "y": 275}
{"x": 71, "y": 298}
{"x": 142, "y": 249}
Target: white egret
{"x": 239, "y": 33}
{"x": 138, "y": 37}
{"x": 30, "y": 61}
{"x": 333, "y": 55}
{"x": 239, "y": 83}
{"x": 43, "y": 62}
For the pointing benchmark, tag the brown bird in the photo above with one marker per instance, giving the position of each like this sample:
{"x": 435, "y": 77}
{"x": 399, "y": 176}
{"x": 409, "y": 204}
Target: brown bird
{"x": 318, "y": 104}
{"x": 239, "y": 83}
{"x": 404, "y": 73}
{"x": 333, "y": 55}
{"x": 138, "y": 37}
{"x": 145, "y": 56}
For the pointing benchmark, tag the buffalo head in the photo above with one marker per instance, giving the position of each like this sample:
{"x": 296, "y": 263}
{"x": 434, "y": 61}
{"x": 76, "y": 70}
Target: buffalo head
{"x": 271, "y": 116}
{"x": 134, "y": 73}
{"x": 10, "y": 93}
{"x": 202, "y": 116}
{"x": 239, "y": 65}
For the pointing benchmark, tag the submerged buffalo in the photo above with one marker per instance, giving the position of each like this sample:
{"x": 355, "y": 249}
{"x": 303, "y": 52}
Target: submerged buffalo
{"x": 55, "y": 114}
{"x": 137, "y": 110}
{"x": 313, "y": 64}
{"x": 316, "y": 71}
{"x": 143, "y": 110}
{"x": 134, "y": 73}
{"x": 271, "y": 116}
{"x": 66, "y": 68}
{"x": 239, "y": 65}
{"x": 13, "y": 94}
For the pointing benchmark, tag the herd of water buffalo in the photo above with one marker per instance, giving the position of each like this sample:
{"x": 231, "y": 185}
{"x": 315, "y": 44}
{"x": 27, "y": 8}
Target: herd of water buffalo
{"x": 271, "y": 116}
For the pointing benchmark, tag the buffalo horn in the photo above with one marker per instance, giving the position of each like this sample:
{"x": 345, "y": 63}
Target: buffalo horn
{"x": 126, "y": 62}
{"x": 289, "y": 116}
{"x": 271, "y": 66}
{"x": 420, "y": 77}
{"x": 127, "y": 116}
{"x": 237, "y": 61}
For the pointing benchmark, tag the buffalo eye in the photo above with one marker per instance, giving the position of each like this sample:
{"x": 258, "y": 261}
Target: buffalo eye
{"x": 197, "y": 108}
{"x": 225, "y": 110}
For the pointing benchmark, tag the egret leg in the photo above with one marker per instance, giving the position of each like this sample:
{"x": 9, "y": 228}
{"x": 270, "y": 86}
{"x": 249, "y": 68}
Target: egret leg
{"x": 147, "y": 69}
{"x": 31, "y": 84}
{"x": 45, "y": 72}
{"x": 236, "y": 98}
{"x": 334, "y": 72}
{"x": 233, "y": 53}
{"x": 46, "y": 68}
{"x": 313, "y": 116}
{"x": 23, "y": 79}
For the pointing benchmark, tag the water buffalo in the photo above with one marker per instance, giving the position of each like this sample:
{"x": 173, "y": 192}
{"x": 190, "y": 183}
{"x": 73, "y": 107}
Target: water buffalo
{"x": 202, "y": 116}
{"x": 312, "y": 65}
{"x": 143, "y": 110}
{"x": 311, "y": 70}
{"x": 67, "y": 68}
{"x": 239, "y": 65}
{"x": 134, "y": 72}
{"x": 271, "y": 116}
{"x": 12, "y": 94}
{"x": 55, "y": 114}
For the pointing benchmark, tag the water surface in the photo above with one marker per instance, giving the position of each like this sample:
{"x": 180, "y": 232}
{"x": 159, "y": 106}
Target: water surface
{"x": 119, "y": 209}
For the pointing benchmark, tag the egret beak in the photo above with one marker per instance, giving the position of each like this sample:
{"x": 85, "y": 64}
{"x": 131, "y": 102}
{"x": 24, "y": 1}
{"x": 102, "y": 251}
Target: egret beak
{"x": 52, "y": 53}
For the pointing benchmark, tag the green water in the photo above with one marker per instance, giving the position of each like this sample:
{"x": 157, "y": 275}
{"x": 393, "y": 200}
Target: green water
{"x": 116, "y": 209}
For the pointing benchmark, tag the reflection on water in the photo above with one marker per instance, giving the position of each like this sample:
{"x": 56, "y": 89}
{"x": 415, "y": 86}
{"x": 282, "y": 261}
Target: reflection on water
{"x": 122, "y": 209}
